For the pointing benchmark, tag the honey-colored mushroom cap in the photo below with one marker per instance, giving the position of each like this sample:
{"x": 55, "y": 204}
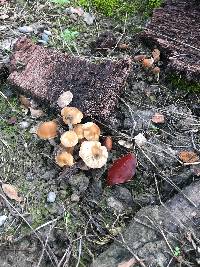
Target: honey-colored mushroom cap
{"x": 71, "y": 115}
{"x": 64, "y": 159}
{"x": 91, "y": 131}
{"x": 69, "y": 139}
{"x": 78, "y": 129}
{"x": 47, "y": 130}
{"x": 93, "y": 154}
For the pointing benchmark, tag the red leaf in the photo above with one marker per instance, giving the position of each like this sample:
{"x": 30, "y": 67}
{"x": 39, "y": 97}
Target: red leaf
{"x": 122, "y": 170}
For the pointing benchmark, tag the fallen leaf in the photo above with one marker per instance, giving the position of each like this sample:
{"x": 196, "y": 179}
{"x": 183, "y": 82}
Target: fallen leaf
{"x": 36, "y": 113}
{"x": 122, "y": 170}
{"x": 108, "y": 143}
{"x": 12, "y": 192}
{"x": 158, "y": 118}
{"x": 129, "y": 263}
{"x": 188, "y": 156}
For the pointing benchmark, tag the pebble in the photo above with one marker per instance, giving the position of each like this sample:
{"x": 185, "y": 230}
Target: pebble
{"x": 88, "y": 18}
{"x": 42, "y": 42}
{"x": 51, "y": 197}
{"x": 47, "y": 32}
{"x": 24, "y": 124}
{"x": 3, "y": 218}
{"x": 115, "y": 204}
{"x": 25, "y": 29}
{"x": 45, "y": 37}
{"x": 75, "y": 197}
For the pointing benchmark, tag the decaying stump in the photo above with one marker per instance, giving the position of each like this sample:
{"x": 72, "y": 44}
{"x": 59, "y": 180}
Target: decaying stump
{"x": 175, "y": 29}
{"x": 46, "y": 73}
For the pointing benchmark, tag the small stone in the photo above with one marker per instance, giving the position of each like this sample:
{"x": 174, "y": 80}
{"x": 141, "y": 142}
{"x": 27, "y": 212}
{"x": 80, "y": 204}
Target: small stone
{"x": 25, "y": 29}
{"x": 3, "y": 218}
{"x": 24, "y": 124}
{"x": 158, "y": 118}
{"x": 30, "y": 176}
{"x": 73, "y": 16}
{"x": 88, "y": 18}
{"x": 51, "y": 197}
{"x": 42, "y": 42}
{"x": 140, "y": 140}
{"x": 45, "y": 37}
{"x": 47, "y": 32}
{"x": 75, "y": 197}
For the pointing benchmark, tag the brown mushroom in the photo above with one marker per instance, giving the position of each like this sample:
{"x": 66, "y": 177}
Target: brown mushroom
{"x": 71, "y": 116}
{"x": 147, "y": 63}
{"x": 91, "y": 131}
{"x": 69, "y": 139}
{"x": 93, "y": 154}
{"x": 47, "y": 130}
{"x": 78, "y": 129}
{"x": 63, "y": 158}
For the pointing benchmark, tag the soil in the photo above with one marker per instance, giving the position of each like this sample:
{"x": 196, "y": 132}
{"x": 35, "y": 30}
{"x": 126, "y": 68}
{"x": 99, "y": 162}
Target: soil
{"x": 87, "y": 214}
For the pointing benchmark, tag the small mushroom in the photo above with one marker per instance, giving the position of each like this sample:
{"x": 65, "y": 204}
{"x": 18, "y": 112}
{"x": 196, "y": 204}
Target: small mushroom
{"x": 93, "y": 154}
{"x": 78, "y": 129}
{"x": 91, "y": 131}
{"x": 48, "y": 131}
{"x": 65, "y": 99}
{"x": 69, "y": 139}
{"x": 64, "y": 158}
{"x": 139, "y": 58}
{"x": 147, "y": 63}
{"x": 71, "y": 116}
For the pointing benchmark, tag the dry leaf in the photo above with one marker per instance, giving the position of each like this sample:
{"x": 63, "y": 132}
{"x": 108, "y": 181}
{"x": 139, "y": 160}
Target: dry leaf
{"x": 123, "y": 46}
{"x": 36, "y": 113}
{"x": 147, "y": 63}
{"x": 108, "y": 143}
{"x": 11, "y": 192}
{"x": 129, "y": 263}
{"x": 188, "y": 156}
{"x": 158, "y": 118}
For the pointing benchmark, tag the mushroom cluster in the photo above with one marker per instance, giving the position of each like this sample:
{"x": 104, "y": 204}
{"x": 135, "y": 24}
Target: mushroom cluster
{"x": 150, "y": 63}
{"x": 84, "y": 136}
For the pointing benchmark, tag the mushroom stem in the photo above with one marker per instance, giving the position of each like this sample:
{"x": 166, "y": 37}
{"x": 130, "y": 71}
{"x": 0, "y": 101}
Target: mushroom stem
{"x": 70, "y": 126}
{"x": 52, "y": 142}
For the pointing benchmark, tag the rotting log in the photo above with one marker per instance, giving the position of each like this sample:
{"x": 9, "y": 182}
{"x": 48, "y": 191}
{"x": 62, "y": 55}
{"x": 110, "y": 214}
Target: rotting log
{"x": 45, "y": 74}
{"x": 175, "y": 30}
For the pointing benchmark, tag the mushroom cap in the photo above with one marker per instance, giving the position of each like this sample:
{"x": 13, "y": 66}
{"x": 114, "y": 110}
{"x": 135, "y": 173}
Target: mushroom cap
{"x": 65, "y": 99}
{"x": 64, "y": 159}
{"x": 69, "y": 139}
{"x": 71, "y": 115}
{"x": 91, "y": 131}
{"x": 47, "y": 130}
{"x": 78, "y": 129}
{"x": 147, "y": 63}
{"x": 93, "y": 154}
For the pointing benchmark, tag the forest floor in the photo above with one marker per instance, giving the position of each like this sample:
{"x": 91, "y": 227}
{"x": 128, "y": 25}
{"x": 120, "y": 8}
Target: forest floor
{"x": 87, "y": 215}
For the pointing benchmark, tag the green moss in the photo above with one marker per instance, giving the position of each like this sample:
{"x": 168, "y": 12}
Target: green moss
{"x": 181, "y": 83}
{"x": 119, "y": 8}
